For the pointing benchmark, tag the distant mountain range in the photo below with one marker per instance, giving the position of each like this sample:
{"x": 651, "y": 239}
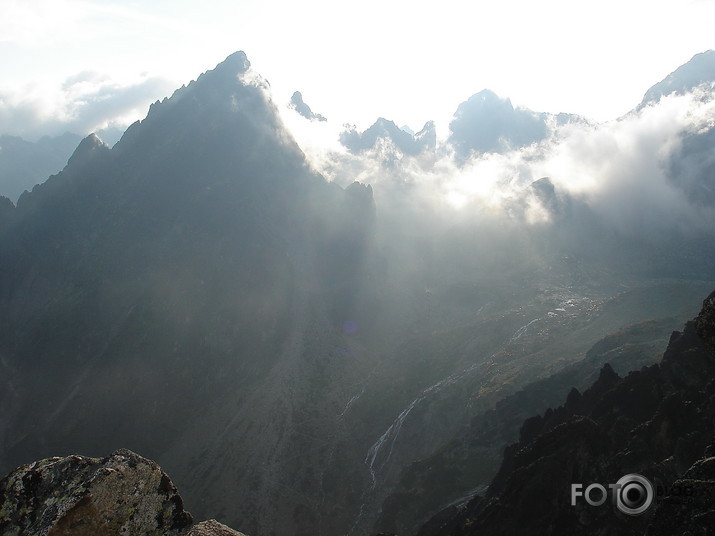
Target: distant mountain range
{"x": 309, "y": 358}
{"x": 24, "y": 164}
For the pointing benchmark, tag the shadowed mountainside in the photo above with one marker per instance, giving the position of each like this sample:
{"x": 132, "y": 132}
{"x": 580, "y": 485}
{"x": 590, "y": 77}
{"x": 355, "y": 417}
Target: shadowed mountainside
{"x": 657, "y": 422}
{"x": 286, "y": 347}
{"x": 181, "y": 291}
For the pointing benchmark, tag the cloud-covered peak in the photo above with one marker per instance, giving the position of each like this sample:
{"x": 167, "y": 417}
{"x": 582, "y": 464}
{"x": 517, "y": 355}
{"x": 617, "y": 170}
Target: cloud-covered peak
{"x": 229, "y": 73}
{"x": 298, "y": 104}
{"x": 486, "y": 123}
{"x": 226, "y": 116}
{"x": 386, "y": 130}
{"x": 699, "y": 70}
{"x": 83, "y": 103}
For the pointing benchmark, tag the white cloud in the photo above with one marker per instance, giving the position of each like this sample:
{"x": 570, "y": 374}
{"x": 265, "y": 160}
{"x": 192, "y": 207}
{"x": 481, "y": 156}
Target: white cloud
{"x": 39, "y": 22}
{"x": 43, "y": 23}
{"x": 83, "y": 103}
{"x": 620, "y": 169}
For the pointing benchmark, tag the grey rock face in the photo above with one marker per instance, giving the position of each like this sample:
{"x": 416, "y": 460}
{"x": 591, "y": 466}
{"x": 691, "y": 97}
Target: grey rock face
{"x": 212, "y": 528}
{"x": 705, "y": 323}
{"x": 688, "y": 506}
{"x": 120, "y": 494}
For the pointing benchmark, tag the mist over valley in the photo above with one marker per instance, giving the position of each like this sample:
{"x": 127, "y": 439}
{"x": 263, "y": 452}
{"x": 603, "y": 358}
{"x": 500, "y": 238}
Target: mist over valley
{"x": 321, "y": 329}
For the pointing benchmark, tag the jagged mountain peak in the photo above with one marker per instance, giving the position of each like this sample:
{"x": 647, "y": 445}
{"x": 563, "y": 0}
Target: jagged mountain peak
{"x": 88, "y": 149}
{"x": 208, "y": 133}
{"x": 488, "y": 96}
{"x": 298, "y": 104}
{"x": 219, "y": 83}
{"x": 487, "y": 123}
{"x": 227, "y": 75}
{"x": 226, "y": 116}
{"x": 237, "y": 63}
{"x": 385, "y": 129}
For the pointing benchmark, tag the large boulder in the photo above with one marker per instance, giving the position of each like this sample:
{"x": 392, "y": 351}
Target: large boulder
{"x": 122, "y": 494}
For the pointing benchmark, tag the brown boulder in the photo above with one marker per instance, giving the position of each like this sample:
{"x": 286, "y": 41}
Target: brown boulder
{"x": 121, "y": 494}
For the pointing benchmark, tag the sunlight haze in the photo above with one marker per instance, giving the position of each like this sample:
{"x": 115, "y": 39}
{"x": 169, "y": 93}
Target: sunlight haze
{"x": 409, "y": 62}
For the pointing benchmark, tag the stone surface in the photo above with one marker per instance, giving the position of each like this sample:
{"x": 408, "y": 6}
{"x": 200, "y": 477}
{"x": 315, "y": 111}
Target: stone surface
{"x": 212, "y": 528}
{"x": 688, "y": 507}
{"x": 122, "y": 494}
{"x": 705, "y": 323}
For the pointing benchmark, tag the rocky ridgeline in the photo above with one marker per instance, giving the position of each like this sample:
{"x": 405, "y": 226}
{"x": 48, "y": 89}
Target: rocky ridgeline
{"x": 659, "y": 422}
{"x": 122, "y": 494}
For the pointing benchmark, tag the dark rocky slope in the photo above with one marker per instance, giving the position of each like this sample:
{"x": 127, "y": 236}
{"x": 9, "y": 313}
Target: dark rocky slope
{"x": 468, "y": 462}
{"x": 658, "y": 422}
{"x": 182, "y": 291}
{"x": 198, "y": 294}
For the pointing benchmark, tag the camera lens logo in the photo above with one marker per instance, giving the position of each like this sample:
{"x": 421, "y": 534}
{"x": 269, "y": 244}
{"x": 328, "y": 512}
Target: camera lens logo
{"x": 634, "y": 494}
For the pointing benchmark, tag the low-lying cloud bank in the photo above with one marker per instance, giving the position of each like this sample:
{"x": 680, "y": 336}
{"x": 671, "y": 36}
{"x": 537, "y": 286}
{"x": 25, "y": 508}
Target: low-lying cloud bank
{"x": 645, "y": 174}
{"x": 86, "y": 102}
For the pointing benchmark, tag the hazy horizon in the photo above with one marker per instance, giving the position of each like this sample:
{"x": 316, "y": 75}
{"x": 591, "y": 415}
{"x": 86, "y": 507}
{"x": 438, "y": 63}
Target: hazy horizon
{"x": 222, "y": 292}
{"x": 82, "y": 66}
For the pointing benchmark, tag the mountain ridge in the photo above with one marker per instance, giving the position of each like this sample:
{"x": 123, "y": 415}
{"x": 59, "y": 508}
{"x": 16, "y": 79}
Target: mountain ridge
{"x": 198, "y": 293}
{"x": 184, "y": 271}
{"x": 698, "y": 70}
{"x": 656, "y": 421}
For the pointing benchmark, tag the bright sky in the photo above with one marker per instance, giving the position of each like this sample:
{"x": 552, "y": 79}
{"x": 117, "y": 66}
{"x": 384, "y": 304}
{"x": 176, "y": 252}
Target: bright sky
{"x": 406, "y": 60}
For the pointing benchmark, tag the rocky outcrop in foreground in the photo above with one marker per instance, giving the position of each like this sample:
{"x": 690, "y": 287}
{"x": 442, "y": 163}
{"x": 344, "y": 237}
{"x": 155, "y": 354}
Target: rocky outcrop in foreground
{"x": 122, "y": 494}
{"x": 212, "y": 528}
